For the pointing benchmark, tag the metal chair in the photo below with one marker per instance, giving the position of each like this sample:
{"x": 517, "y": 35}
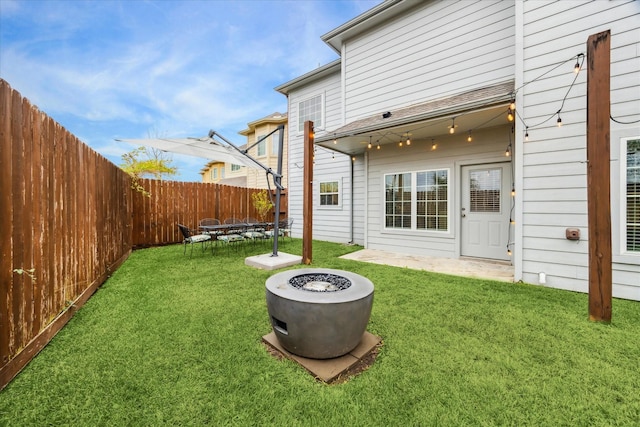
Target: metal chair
{"x": 254, "y": 230}
{"x": 234, "y": 231}
{"x": 191, "y": 238}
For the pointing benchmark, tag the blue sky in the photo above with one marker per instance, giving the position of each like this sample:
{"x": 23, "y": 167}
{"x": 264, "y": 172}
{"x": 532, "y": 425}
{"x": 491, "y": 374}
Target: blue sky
{"x": 146, "y": 68}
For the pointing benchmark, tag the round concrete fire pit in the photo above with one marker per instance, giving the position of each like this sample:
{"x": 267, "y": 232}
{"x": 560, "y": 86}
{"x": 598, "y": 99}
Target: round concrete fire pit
{"x": 319, "y": 313}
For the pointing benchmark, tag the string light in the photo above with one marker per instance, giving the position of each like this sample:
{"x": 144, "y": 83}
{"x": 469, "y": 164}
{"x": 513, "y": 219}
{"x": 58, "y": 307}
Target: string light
{"x": 526, "y": 134}
{"x": 378, "y": 147}
{"x": 433, "y": 145}
{"x": 469, "y": 139}
{"x": 559, "y": 121}
{"x": 508, "y": 151}
{"x": 369, "y": 145}
{"x": 452, "y": 128}
{"x": 513, "y": 192}
{"x": 335, "y": 141}
{"x": 408, "y": 141}
{"x": 578, "y": 66}
{"x": 510, "y": 115}
{"x": 400, "y": 143}
{"x": 509, "y": 251}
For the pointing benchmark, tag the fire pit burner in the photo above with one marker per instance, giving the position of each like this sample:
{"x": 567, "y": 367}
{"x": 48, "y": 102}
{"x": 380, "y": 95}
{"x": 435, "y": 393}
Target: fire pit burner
{"x": 320, "y": 282}
{"x": 319, "y": 313}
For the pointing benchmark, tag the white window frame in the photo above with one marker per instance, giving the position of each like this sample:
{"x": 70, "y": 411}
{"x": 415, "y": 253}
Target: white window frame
{"x": 339, "y": 192}
{"x": 302, "y": 119}
{"x": 235, "y": 168}
{"x": 414, "y": 204}
{"x": 261, "y": 148}
{"x": 623, "y": 197}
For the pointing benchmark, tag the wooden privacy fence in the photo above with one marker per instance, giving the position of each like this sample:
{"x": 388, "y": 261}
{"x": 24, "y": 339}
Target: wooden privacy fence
{"x": 171, "y": 202}
{"x": 69, "y": 218}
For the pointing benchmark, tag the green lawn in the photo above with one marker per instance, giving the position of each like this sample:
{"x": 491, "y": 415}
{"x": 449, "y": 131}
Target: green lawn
{"x": 170, "y": 340}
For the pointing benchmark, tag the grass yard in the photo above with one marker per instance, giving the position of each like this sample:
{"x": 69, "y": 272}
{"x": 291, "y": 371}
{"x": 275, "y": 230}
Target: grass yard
{"x": 170, "y": 340}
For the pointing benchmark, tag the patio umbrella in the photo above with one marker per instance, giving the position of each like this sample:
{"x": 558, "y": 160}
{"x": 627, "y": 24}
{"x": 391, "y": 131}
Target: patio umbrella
{"x": 205, "y": 147}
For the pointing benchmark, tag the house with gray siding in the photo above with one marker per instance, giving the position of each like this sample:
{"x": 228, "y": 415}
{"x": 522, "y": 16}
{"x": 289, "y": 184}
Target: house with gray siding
{"x": 458, "y": 129}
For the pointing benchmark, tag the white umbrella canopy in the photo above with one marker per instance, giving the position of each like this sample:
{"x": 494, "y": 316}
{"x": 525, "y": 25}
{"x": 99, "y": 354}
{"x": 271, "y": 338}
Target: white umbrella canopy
{"x": 205, "y": 147}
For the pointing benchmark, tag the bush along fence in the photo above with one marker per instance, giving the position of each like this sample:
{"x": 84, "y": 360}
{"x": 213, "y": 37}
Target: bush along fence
{"x": 69, "y": 218}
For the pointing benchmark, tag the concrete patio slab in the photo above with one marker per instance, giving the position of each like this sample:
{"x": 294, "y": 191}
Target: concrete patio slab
{"x": 270, "y": 262}
{"x": 331, "y": 370}
{"x": 466, "y": 267}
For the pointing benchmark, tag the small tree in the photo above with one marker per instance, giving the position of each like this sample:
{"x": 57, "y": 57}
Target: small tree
{"x": 262, "y": 203}
{"x": 143, "y": 162}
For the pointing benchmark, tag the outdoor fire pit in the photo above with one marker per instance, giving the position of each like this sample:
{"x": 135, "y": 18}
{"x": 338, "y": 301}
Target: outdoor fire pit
{"x": 319, "y": 313}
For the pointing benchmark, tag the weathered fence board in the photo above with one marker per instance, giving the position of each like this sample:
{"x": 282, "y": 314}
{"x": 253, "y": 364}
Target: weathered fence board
{"x": 71, "y": 215}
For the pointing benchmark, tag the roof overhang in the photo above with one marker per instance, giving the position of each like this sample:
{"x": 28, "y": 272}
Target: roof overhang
{"x": 205, "y": 147}
{"x": 472, "y": 110}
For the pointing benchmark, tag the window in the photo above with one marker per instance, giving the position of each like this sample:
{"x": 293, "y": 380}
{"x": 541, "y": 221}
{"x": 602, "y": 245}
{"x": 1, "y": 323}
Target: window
{"x": 330, "y": 193}
{"x": 222, "y": 170}
{"x": 235, "y": 168}
{"x": 262, "y": 146}
{"x": 432, "y": 200}
{"x": 398, "y": 201}
{"x": 417, "y": 200}
{"x": 310, "y": 109}
{"x": 275, "y": 143}
{"x": 633, "y": 194}
{"x": 214, "y": 173}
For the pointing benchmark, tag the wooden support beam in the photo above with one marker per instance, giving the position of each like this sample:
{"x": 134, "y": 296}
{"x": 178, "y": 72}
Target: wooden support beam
{"x": 307, "y": 194}
{"x": 598, "y": 175}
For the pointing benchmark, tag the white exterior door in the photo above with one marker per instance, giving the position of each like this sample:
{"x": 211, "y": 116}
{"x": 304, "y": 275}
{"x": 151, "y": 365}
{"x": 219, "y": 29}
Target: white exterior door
{"x": 485, "y": 211}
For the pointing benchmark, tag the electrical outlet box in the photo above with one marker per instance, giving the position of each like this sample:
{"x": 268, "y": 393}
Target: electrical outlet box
{"x": 573, "y": 234}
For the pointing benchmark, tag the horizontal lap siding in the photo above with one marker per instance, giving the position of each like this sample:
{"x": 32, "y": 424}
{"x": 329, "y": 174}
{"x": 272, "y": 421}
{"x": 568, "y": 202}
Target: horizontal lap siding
{"x": 453, "y": 151}
{"x": 328, "y": 224}
{"x": 435, "y": 50}
{"x": 554, "y": 160}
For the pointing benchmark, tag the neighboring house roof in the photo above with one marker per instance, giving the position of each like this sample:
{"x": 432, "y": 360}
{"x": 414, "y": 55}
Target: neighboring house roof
{"x": 270, "y": 119}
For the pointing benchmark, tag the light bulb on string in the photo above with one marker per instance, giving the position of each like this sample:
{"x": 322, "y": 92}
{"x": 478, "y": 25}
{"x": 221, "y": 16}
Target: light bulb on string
{"x": 559, "y": 121}
{"x": 400, "y": 144}
{"x": 369, "y": 145}
{"x": 452, "y": 128}
{"x": 335, "y": 141}
{"x": 378, "y": 147}
{"x": 526, "y": 134}
{"x": 433, "y": 144}
{"x": 469, "y": 139}
{"x": 408, "y": 141}
{"x": 577, "y": 67}
{"x": 509, "y": 250}
{"x": 510, "y": 115}
{"x": 508, "y": 151}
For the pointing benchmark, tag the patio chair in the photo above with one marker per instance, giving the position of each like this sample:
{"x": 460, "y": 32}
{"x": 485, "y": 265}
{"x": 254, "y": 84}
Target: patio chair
{"x": 284, "y": 228}
{"x": 254, "y": 230}
{"x": 210, "y": 226}
{"x": 190, "y": 237}
{"x": 233, "y": 231}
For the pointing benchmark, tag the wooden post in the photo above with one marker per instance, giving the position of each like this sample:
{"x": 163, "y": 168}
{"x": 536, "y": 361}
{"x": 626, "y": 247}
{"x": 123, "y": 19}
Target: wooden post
{"x": 598, "y": 176}
{"x": 307, "y": 194}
